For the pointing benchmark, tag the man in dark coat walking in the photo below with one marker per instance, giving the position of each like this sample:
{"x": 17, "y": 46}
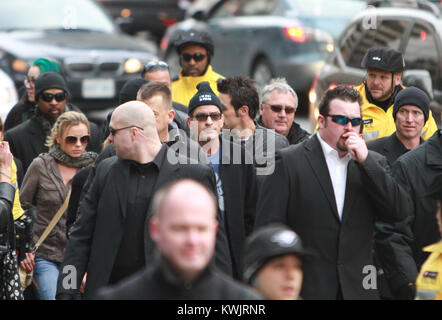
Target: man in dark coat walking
{"x": 184, "y": 231}
{"x": 234, "y": 170}
{"x": 330, "y": 189}
{"x": 110, "y": 239}
{"x": 417, "y": 170}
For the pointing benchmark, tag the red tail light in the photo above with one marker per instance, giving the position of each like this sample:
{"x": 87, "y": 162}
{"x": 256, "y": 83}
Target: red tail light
{"x": 296, "y": 34}
{"x": 163, "y": 44}
{"x": 169, "y": 22}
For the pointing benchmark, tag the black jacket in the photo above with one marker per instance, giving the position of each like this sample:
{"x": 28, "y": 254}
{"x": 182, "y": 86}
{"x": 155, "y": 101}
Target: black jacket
{"x": 7, "y": 230}
{"x": 27, "y": 140}
{"x": 390, "y": 147}
{"x": 240, "y": 196}
{"x": 296, "y": 133}
{"x": 22, "y": 111}
{"x": 302, "y": 197}
{"x": 160, "y": 282}
{"x": 396, "y": 238}
{"x": 97, "y": 234}
{"x": 417, "y": 170}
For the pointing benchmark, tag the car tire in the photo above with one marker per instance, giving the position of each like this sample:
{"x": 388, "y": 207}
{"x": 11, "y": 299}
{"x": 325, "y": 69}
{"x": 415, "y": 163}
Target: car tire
{"x": 262, "y": 73}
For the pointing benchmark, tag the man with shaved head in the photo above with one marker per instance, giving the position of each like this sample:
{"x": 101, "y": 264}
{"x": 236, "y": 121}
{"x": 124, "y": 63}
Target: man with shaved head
{"x": 184, "y": 230}
{"x": 110, "y": 239}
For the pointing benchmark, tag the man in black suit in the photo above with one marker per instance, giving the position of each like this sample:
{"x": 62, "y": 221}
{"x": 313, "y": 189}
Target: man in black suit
{"x": 110, "y": 239}
{"x": 234, "y": 170}
{"x": 331, "y": 190}
{"x": 410, "y": 112}
{"x": 184, "y": 231}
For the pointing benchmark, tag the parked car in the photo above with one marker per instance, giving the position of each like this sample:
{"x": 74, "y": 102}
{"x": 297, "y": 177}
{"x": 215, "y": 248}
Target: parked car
{"x": 96, "y": 57}
{"x": 8, "y": 94}
{"x": 416, "y": 31}
{"x": 268, "y": 38}
{"x": 145, "y": 15}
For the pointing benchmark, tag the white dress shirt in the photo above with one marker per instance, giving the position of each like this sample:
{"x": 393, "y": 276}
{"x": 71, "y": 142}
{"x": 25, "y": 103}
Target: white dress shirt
{"x": 337, "y": 168}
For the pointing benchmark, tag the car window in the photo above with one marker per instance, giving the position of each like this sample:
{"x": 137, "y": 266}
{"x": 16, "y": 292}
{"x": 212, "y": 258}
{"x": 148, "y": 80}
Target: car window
{"x": 421, "y": 51}
{"x": 359, "y": 37}
{"x": 257, "y": 7}
{"x": 53, "y": 14}
{"x": 336, "y": 8}
{"x": 228, "y": 8}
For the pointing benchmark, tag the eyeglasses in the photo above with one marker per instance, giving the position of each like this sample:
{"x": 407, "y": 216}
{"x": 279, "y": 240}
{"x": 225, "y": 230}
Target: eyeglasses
{"x": 46, "y": 96}
{"x": 154, "y": 65}
{"x": 343, "y": 120}
{"x": 202, "y": 117}
{"x": 278, "y": 108}
{"x": 74, "y": 139}
{"x": 197, "y": 57}
{"x": 114, "y": 131}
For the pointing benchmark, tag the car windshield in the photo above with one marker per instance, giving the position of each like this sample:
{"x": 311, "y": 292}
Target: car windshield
{"x": 53, "y": 15}
{"x": 334, "y": 8}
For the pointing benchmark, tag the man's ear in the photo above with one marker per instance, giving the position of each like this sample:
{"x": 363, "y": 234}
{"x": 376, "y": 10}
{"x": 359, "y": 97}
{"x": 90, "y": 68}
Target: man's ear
{"x": 243, "y": 111}
{"x": 321, "y": 121}
{"x": 153, "y": 229}
{"x": 397, "y": 78}
{"x": 171, "y": 115}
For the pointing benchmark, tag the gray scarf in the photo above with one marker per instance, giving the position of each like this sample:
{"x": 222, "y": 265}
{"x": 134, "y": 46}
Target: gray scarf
{"x": 84, "y": 160}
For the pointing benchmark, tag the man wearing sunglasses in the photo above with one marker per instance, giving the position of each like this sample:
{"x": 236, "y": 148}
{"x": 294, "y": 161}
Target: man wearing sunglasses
{"x": 381, "y": 85}
{"x": 27, "y": 140}
{"x": 195, "y": 50}
{"x": 233, "y": 167}
{"x": 331, "y": 190}
{"x": 110, "y": 239}
{"x": 278, "y": 106}
{"x": 25, "y": 108}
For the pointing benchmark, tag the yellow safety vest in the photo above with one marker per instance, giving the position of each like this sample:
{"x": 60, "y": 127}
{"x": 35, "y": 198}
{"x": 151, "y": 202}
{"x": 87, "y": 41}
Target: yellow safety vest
{"x": 184, "y": 88}
{"x": 429, "y": 281}
{"x": 17, "y": 210}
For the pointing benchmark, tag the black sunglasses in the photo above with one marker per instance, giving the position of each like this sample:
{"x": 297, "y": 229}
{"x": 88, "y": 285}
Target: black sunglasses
{"x": 73, "y": 139}
{"x": 197, "y": 57}
{"x": 343, "y": 120}
{"x": 202, "y": 117}
{"x": 153, "y": 65}
{"x": 114, "y": 131}
{"x": 278, "y": 108}
{"x": 46, "y": 96}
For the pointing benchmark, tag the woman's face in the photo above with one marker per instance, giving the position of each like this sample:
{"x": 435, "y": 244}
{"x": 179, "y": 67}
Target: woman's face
{"x": 74, "y": 140}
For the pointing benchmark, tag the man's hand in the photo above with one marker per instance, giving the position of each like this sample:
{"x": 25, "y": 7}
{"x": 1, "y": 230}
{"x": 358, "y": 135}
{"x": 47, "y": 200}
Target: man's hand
{"x": 356, "y": 146}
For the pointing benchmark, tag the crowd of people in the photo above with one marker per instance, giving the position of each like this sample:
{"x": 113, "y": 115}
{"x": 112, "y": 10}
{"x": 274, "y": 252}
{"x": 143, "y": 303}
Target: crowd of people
{"x": 204, "y": 187}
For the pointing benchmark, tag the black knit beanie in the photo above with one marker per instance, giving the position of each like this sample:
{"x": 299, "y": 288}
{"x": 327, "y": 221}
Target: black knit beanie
{"x": 412, "y": 96}
{"x": 130, "y": 89}
{"x": 205, "y": 96}
{"x": 49, "y": 80}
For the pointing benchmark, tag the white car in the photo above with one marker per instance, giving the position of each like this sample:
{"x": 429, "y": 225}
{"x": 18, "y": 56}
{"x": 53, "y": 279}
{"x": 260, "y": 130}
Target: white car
{"x": 8, "y": 94}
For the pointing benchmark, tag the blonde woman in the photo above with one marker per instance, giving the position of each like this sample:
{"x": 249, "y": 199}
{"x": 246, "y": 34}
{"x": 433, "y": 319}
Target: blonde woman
{"x": 46, "y": 185}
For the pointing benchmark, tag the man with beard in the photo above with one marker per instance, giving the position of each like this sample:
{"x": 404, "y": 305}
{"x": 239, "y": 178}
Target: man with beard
{"x": 27, "y": 140}
{"x": 331, "y": 190}
{"x": 195, "y": 49}
{"x": 381, "y": 85}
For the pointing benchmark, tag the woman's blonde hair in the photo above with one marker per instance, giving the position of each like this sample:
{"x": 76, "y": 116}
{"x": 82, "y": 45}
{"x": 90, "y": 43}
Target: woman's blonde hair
{"x": 64, "y": 122}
